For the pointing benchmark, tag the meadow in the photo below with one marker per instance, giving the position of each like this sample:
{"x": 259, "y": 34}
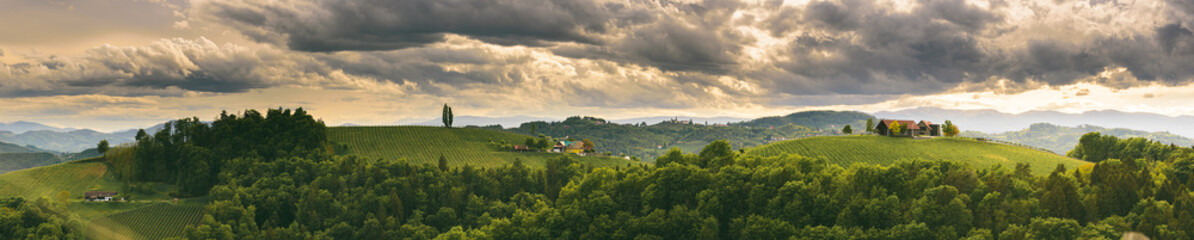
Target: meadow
{"x": 459, "y": 146}
{"x": 847, "y": 150}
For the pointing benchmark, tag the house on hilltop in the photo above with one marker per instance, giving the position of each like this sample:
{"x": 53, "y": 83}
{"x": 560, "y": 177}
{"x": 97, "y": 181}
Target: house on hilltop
{"x": 910, "y": 128}
{"x": 103, "y": 196}
{"x": 570, "y": 147}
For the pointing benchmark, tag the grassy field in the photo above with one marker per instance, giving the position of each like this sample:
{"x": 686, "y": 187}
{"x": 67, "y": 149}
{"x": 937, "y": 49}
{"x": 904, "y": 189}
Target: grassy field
{"x": 460, "y": 146}
{"x": 155, "y": 221}
{"x": 846, "y": 150}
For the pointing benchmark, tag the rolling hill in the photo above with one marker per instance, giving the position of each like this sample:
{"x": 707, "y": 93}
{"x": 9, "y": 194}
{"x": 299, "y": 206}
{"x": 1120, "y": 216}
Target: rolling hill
{"x": 148, "y": 218}
{"x": 460, "y": 146}
{"x": 17, "y": 161}
{"x": 847, "y": 150}
{"x": 73, "y": 178}
{"x": 14, "y": 148}
{"x": 812, "y": 119}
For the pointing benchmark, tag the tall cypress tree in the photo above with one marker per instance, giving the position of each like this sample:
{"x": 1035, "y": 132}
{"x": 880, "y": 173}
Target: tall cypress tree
{"x": 447, "y": 116}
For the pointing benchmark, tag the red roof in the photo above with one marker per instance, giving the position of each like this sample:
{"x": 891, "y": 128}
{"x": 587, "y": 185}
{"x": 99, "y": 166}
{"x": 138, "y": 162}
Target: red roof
{"x": 909, "y": 123}
{"x": 926, "y": 122}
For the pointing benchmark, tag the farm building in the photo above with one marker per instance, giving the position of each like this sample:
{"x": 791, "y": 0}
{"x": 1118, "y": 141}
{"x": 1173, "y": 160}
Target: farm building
{"x": 569, "y": 147}
{"x": 99, "y": 195}
{"x": 910, "y": 128}
{"x": 928, "y": 128}
{"x": 521, "y": 148}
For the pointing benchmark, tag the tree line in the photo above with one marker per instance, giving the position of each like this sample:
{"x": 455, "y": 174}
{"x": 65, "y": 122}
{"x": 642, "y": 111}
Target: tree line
{"x": 714, "y": 194}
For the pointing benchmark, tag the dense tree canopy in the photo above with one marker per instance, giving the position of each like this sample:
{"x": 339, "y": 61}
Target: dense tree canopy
{"x": 1096, "y": 147}
{"x": 716, "y": 194}
{"x": 191, "y": 153}
{"x": 40, "y": 219}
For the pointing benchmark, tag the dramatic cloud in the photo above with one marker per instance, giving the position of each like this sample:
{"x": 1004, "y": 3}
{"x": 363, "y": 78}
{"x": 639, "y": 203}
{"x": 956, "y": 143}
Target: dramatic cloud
{"x": 557, "y": 55}
{"x": 338, "y": 25}
{"x": 169, "y": 67}
{"x": 824, "y": 47}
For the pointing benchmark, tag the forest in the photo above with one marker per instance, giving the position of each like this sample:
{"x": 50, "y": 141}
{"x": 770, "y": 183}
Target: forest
{"x": 714, "y": 194}
{"x": 190, "y": 153}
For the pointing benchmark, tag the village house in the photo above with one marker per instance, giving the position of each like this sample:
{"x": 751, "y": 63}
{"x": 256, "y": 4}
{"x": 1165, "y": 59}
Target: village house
{"x": 910, "y": 128}
{"x": 928, "y": 128}
{"x": 569, "y": 147}
{"x": 102, "y": 196}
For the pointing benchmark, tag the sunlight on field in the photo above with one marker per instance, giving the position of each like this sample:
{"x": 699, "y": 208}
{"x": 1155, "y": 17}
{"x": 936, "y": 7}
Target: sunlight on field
{"x": 460, "y": 146}
{"x": 848, "y": 150}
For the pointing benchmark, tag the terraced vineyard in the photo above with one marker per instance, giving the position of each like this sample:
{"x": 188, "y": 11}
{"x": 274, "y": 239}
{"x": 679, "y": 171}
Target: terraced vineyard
{"x": 74, "y": 178}
{"x": 157, "y": 221}
{"x": 460, "y": 146}
{"x": 846, "y": 150}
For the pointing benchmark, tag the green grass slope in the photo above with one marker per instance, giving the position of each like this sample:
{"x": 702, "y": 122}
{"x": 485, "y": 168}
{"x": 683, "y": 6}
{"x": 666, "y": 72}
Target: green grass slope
{"x": 460, "y": 146}
{"x": 74, "y": 177}
{"x": 156, "y": 221}
{"x": 846, "y": 150}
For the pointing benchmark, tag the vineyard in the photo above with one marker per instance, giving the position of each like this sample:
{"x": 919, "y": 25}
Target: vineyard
{"x": 157, "y": 221}
{"x": 884, "y": 150}
{"x": 48, "y": 181}
{"x": 460, "y": 146}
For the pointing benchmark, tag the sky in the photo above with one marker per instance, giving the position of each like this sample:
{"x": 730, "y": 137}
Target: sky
{"x": 121, "y": 64}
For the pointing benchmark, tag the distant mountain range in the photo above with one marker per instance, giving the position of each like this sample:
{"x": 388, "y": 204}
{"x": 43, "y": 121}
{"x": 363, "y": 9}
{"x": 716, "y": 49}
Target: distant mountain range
{"x": 19, "y": 127}
{"x": 1060, "y": 139}
{"x": 64, "y": 140}
{"x": 991, "y": 121}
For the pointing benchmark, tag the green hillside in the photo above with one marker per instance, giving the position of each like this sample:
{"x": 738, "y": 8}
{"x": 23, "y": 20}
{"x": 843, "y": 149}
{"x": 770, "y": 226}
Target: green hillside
{"x": 847, "y": 150}
{"x": 17, "y": 161}
{"x": 13, "y": 148}
{"x": 74, "y": 178}
{"x": 460, "y": 146}
{"x": 157, "y": 221}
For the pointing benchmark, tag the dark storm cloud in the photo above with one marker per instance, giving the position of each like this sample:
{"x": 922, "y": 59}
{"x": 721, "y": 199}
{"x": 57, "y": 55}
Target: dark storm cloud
{"x": 873, "y": 50}
{"x": 1166, "y": 57}
{"x": 665, "y": 34}
{"x": 938, "y": 45}
{"x": 338, "y": 25}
